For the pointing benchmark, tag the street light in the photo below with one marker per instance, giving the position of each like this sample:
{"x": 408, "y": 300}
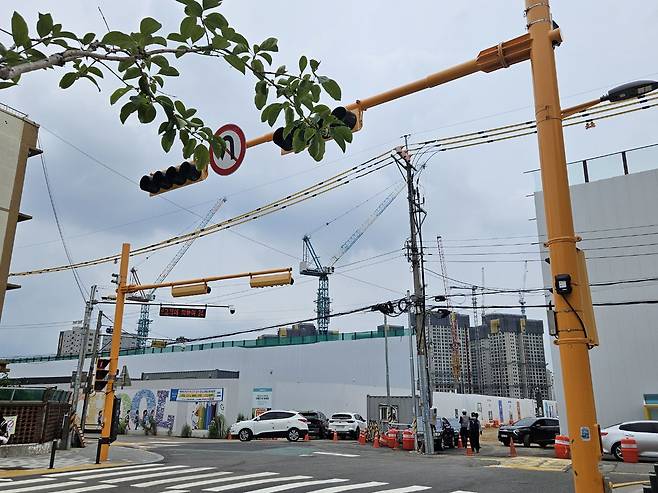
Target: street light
{"x": 623, "y": 92}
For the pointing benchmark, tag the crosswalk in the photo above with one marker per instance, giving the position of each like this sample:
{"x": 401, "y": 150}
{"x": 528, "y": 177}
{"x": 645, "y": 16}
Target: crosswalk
{"x": 164, "y": 478}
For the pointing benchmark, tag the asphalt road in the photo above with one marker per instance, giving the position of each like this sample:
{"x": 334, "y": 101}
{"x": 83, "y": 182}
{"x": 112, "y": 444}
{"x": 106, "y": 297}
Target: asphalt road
{"x": 271, "y": 466}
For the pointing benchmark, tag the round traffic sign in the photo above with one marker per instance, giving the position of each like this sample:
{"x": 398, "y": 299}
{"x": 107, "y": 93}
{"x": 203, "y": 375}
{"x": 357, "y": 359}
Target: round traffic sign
{"x": 236, "y": 146}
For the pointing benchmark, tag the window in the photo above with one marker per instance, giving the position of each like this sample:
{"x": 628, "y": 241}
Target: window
{"x": 267, "y": 416}
{"x": 640, "y": 427}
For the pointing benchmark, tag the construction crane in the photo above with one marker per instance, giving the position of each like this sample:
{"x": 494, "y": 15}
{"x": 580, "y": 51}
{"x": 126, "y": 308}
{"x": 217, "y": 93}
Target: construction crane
{"x": 522, "y": 292}
{"x": 144, "y": 321}
{"x": 455, "y": 343}
{"x": 312, "y": 266}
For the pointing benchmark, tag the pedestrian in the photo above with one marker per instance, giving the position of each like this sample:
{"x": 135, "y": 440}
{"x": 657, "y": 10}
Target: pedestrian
{"x": 136, "y": 419}
{"x": 463, "y": 428}
{"x": 4, "y": 430}
{"x": 145, "y": 419}
{"x": 475, "y": 431}
{"x": 128, "y": 420}
{"x": 99, "y": 419}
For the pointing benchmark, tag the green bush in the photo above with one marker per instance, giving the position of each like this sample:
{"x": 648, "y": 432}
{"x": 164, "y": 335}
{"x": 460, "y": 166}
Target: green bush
{"x": 123, "y": 424}
{"x": 213, "y": 431}
{"x": 186, "y": 431}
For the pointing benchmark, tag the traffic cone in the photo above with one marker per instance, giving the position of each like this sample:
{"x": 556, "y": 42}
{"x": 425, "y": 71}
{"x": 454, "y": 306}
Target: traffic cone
{"x": 335, "y": 439}
{"x": 512, "y": 448}
{"x": 307, "y": 437}
{"x": 469, "y": 451}
{"x": 375, "y": 441}
{"x": 459, "y": 442}
{"x": 228, "y": 436}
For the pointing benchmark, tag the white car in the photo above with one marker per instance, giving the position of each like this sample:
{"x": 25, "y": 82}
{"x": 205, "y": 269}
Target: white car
{"x": 272, "y": 424}
{"x": 347, "y": 424}
{"x": 644, "y": 432}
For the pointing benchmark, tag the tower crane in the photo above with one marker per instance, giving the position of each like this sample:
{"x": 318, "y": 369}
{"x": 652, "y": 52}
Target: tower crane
{"x": 522, "y": 292}
{"x": 312, "y": 266}
{"x": 144, "y": 321}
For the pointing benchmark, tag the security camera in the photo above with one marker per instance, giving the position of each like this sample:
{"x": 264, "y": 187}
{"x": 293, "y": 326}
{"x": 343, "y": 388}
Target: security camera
{"x": 231, "y": 310}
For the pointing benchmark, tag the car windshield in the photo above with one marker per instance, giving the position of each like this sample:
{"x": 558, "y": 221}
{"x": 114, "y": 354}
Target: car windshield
{"x": 341, "y": 416}
{"x": 309, "y": 414}
{"x": 525, "y": 422}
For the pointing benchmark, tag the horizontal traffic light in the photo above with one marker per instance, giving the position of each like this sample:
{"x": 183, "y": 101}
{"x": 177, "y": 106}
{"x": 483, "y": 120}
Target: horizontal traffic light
{"x": 189, "y": 290}
{"x": 271, "y": 280}
{"x": 172, "y": 178}
{"x": 102, "y": 376}
{"x": 353, "y": 119}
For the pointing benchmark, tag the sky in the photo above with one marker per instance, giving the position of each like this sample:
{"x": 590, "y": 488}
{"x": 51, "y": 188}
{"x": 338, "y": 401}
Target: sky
{"x": 472, "y": 196}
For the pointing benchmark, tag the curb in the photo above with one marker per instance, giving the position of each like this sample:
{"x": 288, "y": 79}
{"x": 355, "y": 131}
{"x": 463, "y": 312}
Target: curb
{"x": 81, "y": 467}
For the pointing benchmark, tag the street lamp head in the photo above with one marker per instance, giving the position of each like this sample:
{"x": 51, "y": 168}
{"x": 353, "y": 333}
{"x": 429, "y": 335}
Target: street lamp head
{"x": 630, "y": 90}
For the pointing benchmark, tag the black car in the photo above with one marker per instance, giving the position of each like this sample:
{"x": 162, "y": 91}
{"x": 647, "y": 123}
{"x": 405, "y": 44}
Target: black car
{"x": 451, "y": 432}
{"x": 526, "y": 431}
{"x": 318, "y": 424}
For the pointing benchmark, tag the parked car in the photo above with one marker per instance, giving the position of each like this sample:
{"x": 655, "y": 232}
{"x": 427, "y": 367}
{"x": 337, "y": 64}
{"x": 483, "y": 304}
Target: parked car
{"x": 644, "y": 432}
{"x": 318, "y": 424}
{"x": 272, "y": 424}
{"x": 450, "y": 432}
{"x": 347, "y": 424}
{"x": 541, "y": 431}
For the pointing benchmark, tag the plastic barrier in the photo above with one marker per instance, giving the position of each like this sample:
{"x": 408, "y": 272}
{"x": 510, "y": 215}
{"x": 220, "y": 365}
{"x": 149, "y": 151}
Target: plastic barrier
{"x": 629, "y": 450}
{"x": 392, "y": 438}
{"x": 562, "y": 447}
{"x": 408, "y": 439}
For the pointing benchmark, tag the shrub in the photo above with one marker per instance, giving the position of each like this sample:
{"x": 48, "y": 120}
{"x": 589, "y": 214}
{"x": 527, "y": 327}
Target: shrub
{"x": 186, "y": 431}
{"x": 122, "y": 426}
{"x": 213, "y": 431}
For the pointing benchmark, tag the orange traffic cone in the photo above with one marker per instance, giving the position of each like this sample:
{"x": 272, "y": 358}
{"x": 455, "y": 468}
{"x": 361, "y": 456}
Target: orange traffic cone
{"x": 512, "y": 448}
{"x": 335, "y": 439}
{"x": 459, "y": 442}
{"x": 375, "y": 441}
{"x": 307, "y": 437}
{"x": 228, "y": 436}
{"x": 469, "y": 451}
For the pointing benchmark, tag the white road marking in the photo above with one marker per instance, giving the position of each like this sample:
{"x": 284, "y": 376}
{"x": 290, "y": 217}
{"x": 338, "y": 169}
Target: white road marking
{"x": 406, "y": 489}
{"x": 156, "y": 474}
{"x": 119, "y": 473}
{"x": 233, "y": 486}
{"x": 186, "y": 478}
{"x": 337, "y": 454}
{"x": 94, "y": 487}
{"x": 300, "y": 484}
{"x": 42, "y": 487}
{"x": 221, "y": 480}
{"x": 87, "y": 471}
{"x": 462, "y": 491}
{"x": 2, "y": 480}
{"x": 29, "y": 481}
{"x": 347, "y": 487}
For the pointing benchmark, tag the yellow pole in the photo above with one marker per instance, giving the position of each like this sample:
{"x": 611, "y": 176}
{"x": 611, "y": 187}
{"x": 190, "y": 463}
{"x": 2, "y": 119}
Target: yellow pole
{"x": 572, "y": 339}
{"x": 114, "y": 351}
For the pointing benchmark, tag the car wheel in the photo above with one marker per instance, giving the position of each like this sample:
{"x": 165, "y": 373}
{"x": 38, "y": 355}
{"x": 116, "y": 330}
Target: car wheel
{"x": 245, "y": 435}
{"x": 526, "y": 440}
{"x": 616, "y": 452}
{"x": 293, "y": 435}
{"x": 505, "y": 442}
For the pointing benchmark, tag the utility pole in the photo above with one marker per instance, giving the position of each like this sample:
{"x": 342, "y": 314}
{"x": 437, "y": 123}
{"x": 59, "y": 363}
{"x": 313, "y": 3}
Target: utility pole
{"x": 566, "y": 267}
{"x": 411, "y": 356}
{"x": 388, "y": 380}
{"x": 418, "y": 298}
{"x": 92, "y": 363}
{"x": 89, "y": 308}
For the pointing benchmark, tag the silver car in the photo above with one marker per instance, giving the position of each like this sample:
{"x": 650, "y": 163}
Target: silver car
{"x": 644, "y": 432}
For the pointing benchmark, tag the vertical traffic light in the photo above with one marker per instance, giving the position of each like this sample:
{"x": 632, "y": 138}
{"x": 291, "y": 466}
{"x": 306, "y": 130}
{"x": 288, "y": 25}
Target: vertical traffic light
{"x": 102, "y": 377}
{"x": 172, "y": 178}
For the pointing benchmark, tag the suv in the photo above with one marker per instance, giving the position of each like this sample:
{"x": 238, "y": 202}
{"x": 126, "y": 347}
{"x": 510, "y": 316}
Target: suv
{"x": 347, "y": 424}
{"x": 318, "y": 424}
{"x": 541, "y": 431}
{"x": 272, "y": 424}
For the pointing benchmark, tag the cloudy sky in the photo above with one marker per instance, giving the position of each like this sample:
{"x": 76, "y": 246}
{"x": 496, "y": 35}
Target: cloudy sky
{"x": 477, "y": 193}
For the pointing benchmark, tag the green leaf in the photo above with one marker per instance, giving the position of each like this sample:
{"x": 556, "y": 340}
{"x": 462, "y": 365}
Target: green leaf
{"x": 236, "y": 62}
{"x": 88, "y": 38}
{"x": 266, "y": 56}
{"x": 44, "y": 25}
{"x": 215, "y": 20}
{"x": 201, "y": 155}
{"x": 314, "y": 65}
{"x": 271, "y": 113}
{"x": 193, "y": 8}
{"x": 303, "y": 61}
{"x": 189, "y": 147}
{"x": 290, "y": 115}
{"x": 270, "y": 44}
{"x": 5, "y": 85}
{"x": 118, "y": 94}
{"x": 315, "y": 92}
{"x": 170, "y": 71}
{"x": 187, "y": 27}
{"x": 342, "y": 132}
{"x": 298, "y": 142}
{"x": 260, "y": 100}
{"x": 168, "y": 139}
{"x": 68, "y": 79}
{"x": 220, "y": 43}
{"x": 19, "y": 30}
{"x": 117, "y": 38}
{"x": 240, "y": 48}
{"x": 160, "y": 61}
{"x": 146, "y": 113}
{"x": 35, "y": 54}
{"x": 257, "y": 66}
{"x": 211, "y": 4}
{"x": 197, "y": 33}
{"x": 180, "y": 107}
{"x": 93, "y": 81}
{"x": 126, "y": 110}
{"x": 67, "y": 34}
{"x": 132, "y": 73}
{"x": 177, "y": 37}
{"x": 149, "y": 26}
{"x": 316, "y": 149}
{"x": 280, "y": 71}
{"x": 332, "y": 88}
{"x": 61, "y": 43}
{"x": 157, "y": 40}
{"x": 96, "y": 71}
{"x": 261, "y": 87}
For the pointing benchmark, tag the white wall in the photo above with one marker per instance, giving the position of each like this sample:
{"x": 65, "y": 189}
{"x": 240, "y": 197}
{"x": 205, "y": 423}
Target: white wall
{"x": 625, "y": 365}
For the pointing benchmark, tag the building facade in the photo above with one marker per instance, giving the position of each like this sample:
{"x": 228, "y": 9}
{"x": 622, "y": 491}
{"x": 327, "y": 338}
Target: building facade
{"x": 507, "y": 357}
{"x": 71, "y": 340}
{"x": 439, "y": 335}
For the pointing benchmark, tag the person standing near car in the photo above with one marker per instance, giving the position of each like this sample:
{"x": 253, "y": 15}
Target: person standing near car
{"x": 474, "y": 431}
{"x": 463, "y": 428}
{"x": 4, "y": 430}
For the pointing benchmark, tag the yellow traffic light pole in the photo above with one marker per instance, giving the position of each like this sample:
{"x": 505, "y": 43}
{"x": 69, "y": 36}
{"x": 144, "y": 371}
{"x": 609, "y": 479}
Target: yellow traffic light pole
{"x": 261, "y": 278}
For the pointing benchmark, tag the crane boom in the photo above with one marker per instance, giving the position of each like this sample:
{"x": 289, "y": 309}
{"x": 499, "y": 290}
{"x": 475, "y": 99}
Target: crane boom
{"x": 455, "y": 343}
{"x": 144, "y": 321}
{"x": 522, "y": 292}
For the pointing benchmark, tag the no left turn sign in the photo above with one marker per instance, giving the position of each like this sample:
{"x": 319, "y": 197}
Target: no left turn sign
{"x": 236, "y": 146}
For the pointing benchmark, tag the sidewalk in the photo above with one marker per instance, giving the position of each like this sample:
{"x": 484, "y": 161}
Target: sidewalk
{"x": 76, "y": 458}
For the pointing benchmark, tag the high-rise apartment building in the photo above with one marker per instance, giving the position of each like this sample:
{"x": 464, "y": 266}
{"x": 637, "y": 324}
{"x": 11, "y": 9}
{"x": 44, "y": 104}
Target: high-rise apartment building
{"x": 439, "y": 334}
{"x": 71, "y": 340}
{"x": 507, "y": 357}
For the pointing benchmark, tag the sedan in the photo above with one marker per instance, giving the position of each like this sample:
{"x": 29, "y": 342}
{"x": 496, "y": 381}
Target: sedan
{"x": 644, "y": 432}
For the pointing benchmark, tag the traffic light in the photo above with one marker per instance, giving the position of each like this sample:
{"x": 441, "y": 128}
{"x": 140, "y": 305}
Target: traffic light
{"x": 353, "y": 119}
{"x": 271, "y": 280}
{"x": 102, "y": 377}
{"x": 190, "y": 290}
{"x": 172, "y": 178}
